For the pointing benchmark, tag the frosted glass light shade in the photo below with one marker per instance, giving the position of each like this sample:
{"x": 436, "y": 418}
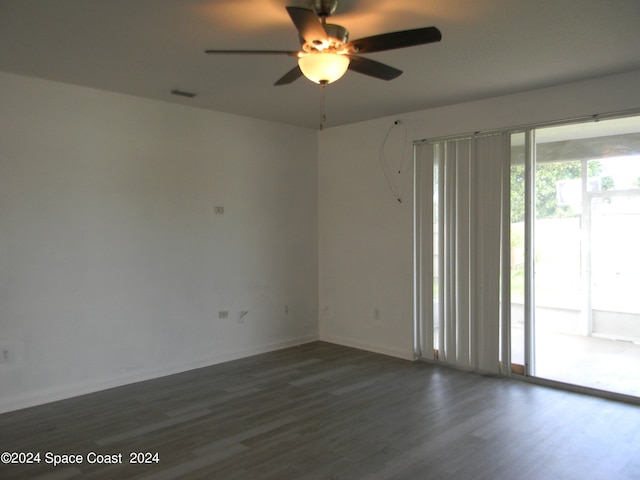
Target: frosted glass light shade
{"x": 323, "y": 67}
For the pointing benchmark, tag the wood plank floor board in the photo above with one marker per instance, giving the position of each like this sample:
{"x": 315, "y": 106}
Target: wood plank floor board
{"x": 324, "y": 411}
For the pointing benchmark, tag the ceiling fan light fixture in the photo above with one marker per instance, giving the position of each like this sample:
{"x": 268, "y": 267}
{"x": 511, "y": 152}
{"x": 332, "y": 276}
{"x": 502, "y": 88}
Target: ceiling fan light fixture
{"x": 323, "y": 67}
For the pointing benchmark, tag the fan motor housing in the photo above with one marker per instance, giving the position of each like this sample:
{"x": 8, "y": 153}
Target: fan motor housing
{"x": 338, "y": 36}
{"x": 337, "y": 33}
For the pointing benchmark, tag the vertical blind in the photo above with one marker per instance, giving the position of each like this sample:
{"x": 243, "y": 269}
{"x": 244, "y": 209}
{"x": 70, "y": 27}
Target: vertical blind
{"x": 460, "y": 199}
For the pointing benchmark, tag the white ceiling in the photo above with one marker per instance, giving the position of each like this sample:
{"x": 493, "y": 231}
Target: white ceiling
{"x": 149, "y": 47}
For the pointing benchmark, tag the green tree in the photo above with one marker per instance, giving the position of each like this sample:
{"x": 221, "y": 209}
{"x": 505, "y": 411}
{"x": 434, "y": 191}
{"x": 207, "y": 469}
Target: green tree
{"x": 517, "y": 193}
{"x": 547, "y": 177}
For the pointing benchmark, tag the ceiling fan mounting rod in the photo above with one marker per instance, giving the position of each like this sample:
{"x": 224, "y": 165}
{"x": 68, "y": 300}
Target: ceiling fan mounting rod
{"x": 324, "y": 8}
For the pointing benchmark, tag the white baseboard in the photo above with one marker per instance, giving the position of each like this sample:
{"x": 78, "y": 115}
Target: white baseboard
{"x": 41, "y": 397}
{"x": 405, "y": 355}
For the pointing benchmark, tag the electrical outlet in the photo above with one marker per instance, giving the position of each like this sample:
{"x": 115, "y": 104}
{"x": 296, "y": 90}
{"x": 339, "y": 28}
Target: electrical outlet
{"x": 218, "y": 210}
{"x": 376, "y": 313}
{"x": 223, "y": 314}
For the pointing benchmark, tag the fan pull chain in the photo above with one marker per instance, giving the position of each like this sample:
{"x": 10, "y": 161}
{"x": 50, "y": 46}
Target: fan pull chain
{"x": 323, "y": 115}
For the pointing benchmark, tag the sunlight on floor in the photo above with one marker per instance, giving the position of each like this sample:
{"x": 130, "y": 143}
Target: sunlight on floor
{"x": 600, "y": 363}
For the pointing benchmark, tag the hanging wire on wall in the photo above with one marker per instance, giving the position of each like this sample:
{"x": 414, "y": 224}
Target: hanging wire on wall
{"x": 385, "y": 163}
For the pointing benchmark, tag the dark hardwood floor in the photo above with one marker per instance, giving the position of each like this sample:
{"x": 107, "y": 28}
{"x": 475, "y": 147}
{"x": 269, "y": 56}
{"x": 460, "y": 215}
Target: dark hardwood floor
{"x": 327, "y": 412}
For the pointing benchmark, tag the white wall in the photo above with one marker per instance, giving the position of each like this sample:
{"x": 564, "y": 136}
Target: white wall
{"x": 366, "y": 236}
{"x": 113, "y": 265}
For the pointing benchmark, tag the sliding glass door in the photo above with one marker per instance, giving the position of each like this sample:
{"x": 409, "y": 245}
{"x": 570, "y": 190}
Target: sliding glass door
{"x": 584, "y": 238}
{"x": 528, "y": 253}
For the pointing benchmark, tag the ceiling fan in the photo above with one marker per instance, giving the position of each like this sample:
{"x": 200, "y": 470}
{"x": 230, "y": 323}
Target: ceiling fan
{"x": 327, "y": 53}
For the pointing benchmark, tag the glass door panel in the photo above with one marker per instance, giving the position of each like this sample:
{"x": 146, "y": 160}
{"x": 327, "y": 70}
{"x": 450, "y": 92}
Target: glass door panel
{"x": 517, "y": 250}
{"x": 559, "y": 294}
{"x": 586, "y": 256}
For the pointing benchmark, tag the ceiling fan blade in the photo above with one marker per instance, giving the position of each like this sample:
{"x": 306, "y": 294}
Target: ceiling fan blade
{"x": 289, "y": 77}
{"x": 308, "y": 25}
{"x": 372, "y": 68}
{"x": 252, "y": 52}
{"x": 393, "y": 40}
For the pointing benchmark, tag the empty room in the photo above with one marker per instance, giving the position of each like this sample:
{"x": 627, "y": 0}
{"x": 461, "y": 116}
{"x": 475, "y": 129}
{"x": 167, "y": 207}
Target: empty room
{"x": 319, "y": 240}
